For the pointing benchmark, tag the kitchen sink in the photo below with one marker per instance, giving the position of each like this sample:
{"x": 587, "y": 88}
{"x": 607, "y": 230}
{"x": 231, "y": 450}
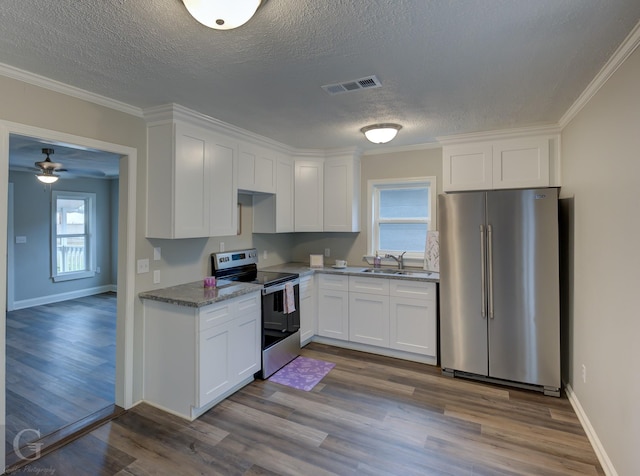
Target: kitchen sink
{"x": 394, "y": 272}
{"x": 378, "y": 271}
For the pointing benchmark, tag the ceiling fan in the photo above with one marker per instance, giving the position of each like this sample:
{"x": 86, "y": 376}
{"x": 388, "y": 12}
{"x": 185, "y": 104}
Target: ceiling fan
{"x": 47, "y": 167}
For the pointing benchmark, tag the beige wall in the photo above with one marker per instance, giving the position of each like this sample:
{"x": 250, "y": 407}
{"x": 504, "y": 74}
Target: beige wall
{"x": 601, "y": 172}
{"x": 182, "y": 260}
{"x": 353, "y": 246}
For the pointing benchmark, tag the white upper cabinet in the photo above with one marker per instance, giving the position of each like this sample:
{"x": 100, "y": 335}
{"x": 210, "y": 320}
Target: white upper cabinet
{"x": 342, "y": 194}
{"x": 511, "y": 163}
{"x": 192, "y": 182}
{"x": 223, "y": 191}
{"x": 521, "y": 163}
{"x": 467, "y": 167}
{"x": 273, "y": 213}
{"x": 327, "y": 194}
{"x": 309, "y": 192}
{"x": 178, "y": 171}
{"x": 256, "y": 169}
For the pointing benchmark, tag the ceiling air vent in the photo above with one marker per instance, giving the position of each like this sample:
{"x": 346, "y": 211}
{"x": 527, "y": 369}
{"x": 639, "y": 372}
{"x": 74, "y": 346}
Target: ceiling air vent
{"x": 369, "y": 82}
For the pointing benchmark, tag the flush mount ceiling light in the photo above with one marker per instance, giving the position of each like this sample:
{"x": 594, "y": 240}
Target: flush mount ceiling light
{"x": 222, "y": 14}
{"x": 47, "y": 167}
{"x": 380, "y": 133}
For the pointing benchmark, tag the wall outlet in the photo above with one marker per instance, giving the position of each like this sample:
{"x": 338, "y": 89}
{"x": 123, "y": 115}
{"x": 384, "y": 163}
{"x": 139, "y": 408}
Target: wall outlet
{"x": 327, "y": 252}
{"x": 21, "y": 239}
{"x": 157, "y": 254}
{"x": 265, "y": 254}
{"x": 584, "y": 373}
{"x": 143, "y": 266}
{"x": 98, "y": 270}
{"x": 222, "y": 247}
{"x": 156, "y": 276}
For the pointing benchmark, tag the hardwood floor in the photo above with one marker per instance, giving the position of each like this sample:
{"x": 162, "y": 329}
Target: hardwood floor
{"x": 60, "y": 365}
{"x": 370, "y": 415}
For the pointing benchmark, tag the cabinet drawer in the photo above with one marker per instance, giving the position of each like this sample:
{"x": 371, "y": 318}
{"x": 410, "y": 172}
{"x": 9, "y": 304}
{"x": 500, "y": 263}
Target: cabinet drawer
{"x": 412, "y": 289}
{"x": 333, "y": 281}
{"x": 249, "y": 303}
{"x": 366, "y": 285}
{"x": 306, "y": 287}
{"x": 216, "y": 314}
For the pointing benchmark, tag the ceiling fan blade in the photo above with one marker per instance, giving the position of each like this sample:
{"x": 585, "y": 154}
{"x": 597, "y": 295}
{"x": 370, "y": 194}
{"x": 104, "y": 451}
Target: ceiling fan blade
{"x": 82, "y": 172}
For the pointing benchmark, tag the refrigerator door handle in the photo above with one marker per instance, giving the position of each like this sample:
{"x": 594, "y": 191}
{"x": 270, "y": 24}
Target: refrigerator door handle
{"x": 483, "y": 272}
{"x": 490, "y": 266}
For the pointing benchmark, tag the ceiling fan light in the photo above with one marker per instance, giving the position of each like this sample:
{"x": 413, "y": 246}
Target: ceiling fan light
{"x": 49, "y": 177}
{"x": 47, "y": 167}
{"x": 381, "y": 133}
{"x": 222, "y": 14}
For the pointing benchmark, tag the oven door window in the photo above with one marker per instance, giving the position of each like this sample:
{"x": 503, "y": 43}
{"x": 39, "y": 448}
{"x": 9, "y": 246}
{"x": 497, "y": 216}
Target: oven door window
{"x": 273, "y": 315}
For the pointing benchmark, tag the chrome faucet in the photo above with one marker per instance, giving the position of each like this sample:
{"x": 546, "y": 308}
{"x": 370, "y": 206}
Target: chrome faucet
{"x": 399, "y": 259}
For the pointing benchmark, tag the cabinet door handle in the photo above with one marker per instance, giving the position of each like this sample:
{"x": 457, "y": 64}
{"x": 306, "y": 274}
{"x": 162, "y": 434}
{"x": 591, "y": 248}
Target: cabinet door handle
{"x": 483, "y": 272}
{"x": 490, "y": 265}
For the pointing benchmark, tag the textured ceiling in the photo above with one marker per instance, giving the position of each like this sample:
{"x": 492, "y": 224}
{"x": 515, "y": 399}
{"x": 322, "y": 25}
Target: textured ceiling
{"x": 446, "y": 66}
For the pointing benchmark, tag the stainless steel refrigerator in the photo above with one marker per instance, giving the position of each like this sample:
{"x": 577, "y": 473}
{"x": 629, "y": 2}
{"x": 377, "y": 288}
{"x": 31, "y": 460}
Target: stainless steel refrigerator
{"x": 499, "y": 287}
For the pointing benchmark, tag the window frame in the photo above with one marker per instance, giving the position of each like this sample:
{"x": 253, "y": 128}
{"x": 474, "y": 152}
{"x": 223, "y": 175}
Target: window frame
{"x": 89, "y": 234}
{"x": 373, "y": 191}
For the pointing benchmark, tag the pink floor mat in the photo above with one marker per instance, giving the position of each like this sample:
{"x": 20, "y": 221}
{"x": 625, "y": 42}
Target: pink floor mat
{"x": 302, "y": 373}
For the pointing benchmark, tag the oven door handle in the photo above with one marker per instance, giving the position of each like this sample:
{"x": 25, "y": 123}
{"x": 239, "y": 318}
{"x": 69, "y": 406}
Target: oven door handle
{"x": 279, "y": 287}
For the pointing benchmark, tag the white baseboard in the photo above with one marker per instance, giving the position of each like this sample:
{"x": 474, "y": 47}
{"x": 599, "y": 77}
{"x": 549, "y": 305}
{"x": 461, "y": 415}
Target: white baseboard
{"x": 39, "y": 301}
{"x": 398, "y": 354}
{"x": 606, "y": 463}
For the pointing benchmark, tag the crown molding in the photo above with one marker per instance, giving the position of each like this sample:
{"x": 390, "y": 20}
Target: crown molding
{"x": 402, "y": 148}
{"x": 169, "y": 112}
{"x": 625, "y": 50}
{"x": 344, "y": 152}
{"x": 550, "y": 129}
{"x": 58, "y": 87}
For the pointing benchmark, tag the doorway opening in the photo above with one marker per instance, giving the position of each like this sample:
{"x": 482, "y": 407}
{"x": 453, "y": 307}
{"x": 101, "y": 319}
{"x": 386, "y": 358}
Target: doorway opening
{"x": 68, "y": 347}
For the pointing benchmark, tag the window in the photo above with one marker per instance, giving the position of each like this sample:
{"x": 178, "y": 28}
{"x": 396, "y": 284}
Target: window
{"x": 73, "y": 249}
{"x": 400, "y": 213}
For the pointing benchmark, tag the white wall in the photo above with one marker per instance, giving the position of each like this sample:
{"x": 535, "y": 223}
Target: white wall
{"x": 601, "y": 171}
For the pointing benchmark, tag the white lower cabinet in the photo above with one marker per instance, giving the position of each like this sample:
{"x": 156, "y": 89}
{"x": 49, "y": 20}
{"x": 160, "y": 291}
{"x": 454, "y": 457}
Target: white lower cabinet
{"x": 333, "y": 306}
{"x": 412, "y": 323}
{"x": 412, "y": 317}
{"x": 369, "y": 319}
{"x": 369, "y": 310}
{"x": 215, "y": 346}
{"x": 195, "y": 357}
{"x": 398, "y": 315}
{"x": 308, "y": 314}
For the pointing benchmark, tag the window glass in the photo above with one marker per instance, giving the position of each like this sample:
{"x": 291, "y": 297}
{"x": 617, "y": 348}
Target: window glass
{"x": 410, "y": 237}
{"x": 401, "y": 213}
{"x": 73, "y": 241}
{"x": 404, "y": 203}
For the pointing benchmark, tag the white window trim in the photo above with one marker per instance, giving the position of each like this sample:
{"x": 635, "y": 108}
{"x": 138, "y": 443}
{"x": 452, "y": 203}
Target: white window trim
{"x": 90, "y": 244}
{"x": 411, "y": 259}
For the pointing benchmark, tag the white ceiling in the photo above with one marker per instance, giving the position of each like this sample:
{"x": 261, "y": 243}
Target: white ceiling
{"x": 446, "y": 66}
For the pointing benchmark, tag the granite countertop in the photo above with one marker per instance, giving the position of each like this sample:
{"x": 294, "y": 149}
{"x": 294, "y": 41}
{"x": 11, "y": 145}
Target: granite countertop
{"x": 196, "y": 295}
{"x": 303, "y": 269}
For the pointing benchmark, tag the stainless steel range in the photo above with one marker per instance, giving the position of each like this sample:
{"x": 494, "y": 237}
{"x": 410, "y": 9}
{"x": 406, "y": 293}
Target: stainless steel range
{"x": 280, "y": 305}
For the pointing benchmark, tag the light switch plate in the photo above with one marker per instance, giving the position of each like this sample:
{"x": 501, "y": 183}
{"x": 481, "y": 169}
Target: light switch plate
{"x": 156, "y": 276}
{"x": 143, "y": 266}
